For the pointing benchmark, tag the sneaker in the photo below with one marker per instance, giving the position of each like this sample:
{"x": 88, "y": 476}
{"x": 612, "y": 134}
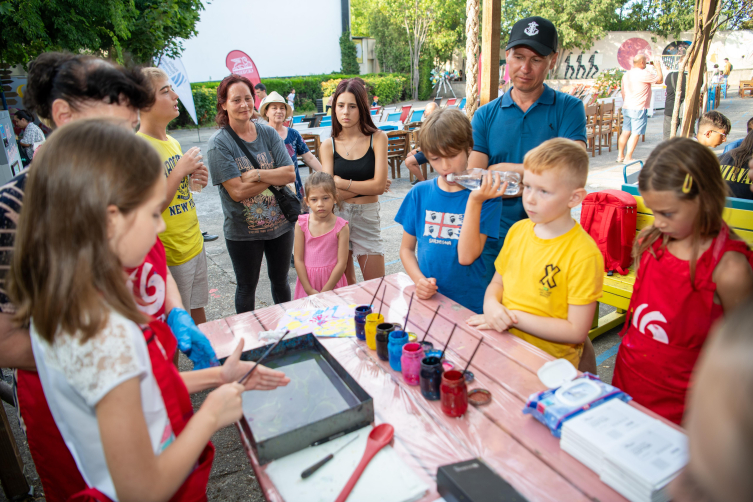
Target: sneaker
{"x": 413, "y": 183}
{"x": 209, "y": 238}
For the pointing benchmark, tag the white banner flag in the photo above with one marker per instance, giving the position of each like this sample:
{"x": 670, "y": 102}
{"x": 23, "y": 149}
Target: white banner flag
{"x": 181, "y": 85}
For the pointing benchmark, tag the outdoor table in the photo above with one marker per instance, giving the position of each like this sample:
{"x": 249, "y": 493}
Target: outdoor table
{"x": 326, "y": 131}
{"x": 516, "y": 446}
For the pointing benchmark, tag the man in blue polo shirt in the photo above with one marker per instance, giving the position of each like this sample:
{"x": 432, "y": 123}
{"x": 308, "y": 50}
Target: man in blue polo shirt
{"x": 507, "y": 128}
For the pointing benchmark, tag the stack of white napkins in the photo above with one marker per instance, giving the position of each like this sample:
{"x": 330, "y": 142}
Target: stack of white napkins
{"x": 633, "y": 453}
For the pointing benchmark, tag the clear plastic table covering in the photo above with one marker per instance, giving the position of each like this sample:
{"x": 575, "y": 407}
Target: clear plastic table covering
{"x": 514, "y": 445}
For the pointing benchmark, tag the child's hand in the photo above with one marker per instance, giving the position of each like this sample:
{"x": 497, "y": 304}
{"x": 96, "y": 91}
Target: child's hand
{"x": 311, "y": 291}
{"x": 201, "y": 175}
{"x": 190, "y": 162}
{"x": 224, "y": 404}
{"x": 262, "y": 379}
{"x": 426, "y": 288}
{"x": 498, "y": 318}
{"x": 491, "y": 187}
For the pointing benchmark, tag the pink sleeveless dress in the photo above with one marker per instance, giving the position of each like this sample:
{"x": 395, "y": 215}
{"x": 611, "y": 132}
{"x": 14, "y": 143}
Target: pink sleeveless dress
{"x": 319, "y": 256}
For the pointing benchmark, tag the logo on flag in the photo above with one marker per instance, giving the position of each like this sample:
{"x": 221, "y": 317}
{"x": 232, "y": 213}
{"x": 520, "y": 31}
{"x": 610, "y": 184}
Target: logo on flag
{"x": 239, "y": 63}
{"x": 443, "y": 225}
{"x": 178, "y": 76}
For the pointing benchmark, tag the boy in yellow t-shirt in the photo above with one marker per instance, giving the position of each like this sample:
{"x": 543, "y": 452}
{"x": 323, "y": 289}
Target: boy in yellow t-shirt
{"x": 184, "y": 244}
{"x": 549, "y": 273}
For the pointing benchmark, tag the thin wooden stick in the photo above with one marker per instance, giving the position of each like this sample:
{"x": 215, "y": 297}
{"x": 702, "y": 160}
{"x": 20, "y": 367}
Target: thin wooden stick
{"x": 448, "y": 340}
{"x": 405, "y": 325}
{"x": 377, "y": 291}
{"x": 245, "y": 377}
{"x": 472, "y": 356}
{"x": 384, "y": 291}
{"x": 432, "y": 322}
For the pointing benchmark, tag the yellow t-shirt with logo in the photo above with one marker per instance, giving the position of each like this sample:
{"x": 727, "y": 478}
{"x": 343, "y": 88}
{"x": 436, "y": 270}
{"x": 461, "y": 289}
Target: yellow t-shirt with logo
{"x": 544, "y": 276}
{"x": 182, "y": 238}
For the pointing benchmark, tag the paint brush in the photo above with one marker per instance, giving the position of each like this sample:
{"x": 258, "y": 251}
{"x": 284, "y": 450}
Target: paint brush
{"x": 432, "y": 322}
{"x": 448, "y": 341}
{"x": 473, "y": 355}
{"x": 405, "y": 325}
{"x": 377, "y": 291}
{"x": 382, "y": 304}
{"x": 245, "y": 377}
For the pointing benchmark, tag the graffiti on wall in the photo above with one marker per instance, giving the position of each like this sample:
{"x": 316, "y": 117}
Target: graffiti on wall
{"x": 673, "y": 52}
{"x": 577, "y": 69}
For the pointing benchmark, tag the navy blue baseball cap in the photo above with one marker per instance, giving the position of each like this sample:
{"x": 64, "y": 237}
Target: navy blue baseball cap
{"x": 535, "y": 32}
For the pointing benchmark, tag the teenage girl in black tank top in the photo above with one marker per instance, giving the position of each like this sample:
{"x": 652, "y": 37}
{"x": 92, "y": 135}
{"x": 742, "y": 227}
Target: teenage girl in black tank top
{"x": 356, "y": 156}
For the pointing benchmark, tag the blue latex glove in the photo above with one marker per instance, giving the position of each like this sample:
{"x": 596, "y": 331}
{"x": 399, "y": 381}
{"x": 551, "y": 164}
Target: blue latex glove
{"x": 191, "y": 340}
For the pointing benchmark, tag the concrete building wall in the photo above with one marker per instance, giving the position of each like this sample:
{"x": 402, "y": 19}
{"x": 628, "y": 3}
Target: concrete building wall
{"x": 296, "y": 37}
{"x": 365, "y": 52}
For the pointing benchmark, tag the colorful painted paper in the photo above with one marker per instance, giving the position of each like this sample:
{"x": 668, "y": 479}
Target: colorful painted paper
{"x": 330, "y": 322}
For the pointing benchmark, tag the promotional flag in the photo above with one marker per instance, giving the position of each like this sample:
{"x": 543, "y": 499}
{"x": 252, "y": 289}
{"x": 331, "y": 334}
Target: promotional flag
{"x": 239, "y": 63}
{"x": 181, "y": 85}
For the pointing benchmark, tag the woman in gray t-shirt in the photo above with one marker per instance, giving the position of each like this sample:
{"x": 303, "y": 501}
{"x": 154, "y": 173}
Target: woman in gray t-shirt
{"x": 255, "y": 227}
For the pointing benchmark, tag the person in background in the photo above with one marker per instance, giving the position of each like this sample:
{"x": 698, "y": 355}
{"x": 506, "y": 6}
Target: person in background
{"x": 719, "y": 420}
{"x": 329, "y": 104}
{"x": 255, "y": 226}
{"x": 727, "y": 67}
{"x": 416, "y": 158}
{"x": 692, "y": 269}
{"x": 734, "y": 144}
{"x": 182, "y": 238}
{"x": 260, "y": 90}
{"x": 713, "y": 128}
{"x": 735, "y": 168}
{"x": 356, "y": 157}
{"x": 375, "y": 101}
{"x": 291, "y": 99}
{"x": 671, "y": 83}
{"x": 32, "y": 134}
{"x": 275, "y": 110}
{"x": 636, "y": 97}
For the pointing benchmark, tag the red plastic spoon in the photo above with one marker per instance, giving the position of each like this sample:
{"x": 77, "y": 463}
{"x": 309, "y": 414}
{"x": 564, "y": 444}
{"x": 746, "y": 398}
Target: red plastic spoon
{"x": 379, "y": 437}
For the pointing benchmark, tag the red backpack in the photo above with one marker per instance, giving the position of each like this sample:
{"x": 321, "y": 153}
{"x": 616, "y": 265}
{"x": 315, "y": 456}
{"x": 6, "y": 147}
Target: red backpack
{"x": 609, "y": 218}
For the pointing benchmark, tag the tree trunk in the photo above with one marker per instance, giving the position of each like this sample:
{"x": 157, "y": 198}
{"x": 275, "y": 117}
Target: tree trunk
{"x": 471, "y": 53}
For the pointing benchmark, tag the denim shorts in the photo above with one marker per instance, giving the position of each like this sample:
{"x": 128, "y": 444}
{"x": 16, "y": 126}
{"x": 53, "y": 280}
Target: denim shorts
{"x": 635, "y": 121}
{"x": 365, "y": 228}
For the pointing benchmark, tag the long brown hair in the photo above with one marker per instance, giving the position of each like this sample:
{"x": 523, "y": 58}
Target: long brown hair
{"x": 742, "y": 154}
{"x": 64, "y": 274}
{"x": 671, "y": 165}
{"x": 222, "y": 118}
{"x": 357, "y": 88}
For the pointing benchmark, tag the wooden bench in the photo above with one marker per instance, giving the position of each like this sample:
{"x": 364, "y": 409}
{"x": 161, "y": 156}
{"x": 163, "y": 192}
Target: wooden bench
{"x": 618, "y": 289}
{"x": 746, "y": 87}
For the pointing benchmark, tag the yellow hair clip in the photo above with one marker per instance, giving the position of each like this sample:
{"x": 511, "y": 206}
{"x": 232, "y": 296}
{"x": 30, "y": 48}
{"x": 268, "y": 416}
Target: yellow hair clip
{"x": 688, "y": 184}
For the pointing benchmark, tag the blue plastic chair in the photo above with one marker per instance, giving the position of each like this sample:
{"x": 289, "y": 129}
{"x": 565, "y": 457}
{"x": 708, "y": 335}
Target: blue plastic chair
{"x": 462, "y": 104}
{"x": 388, "y": 127}
{"x": 297, "y": 119}
{"x": 416, "y": 116}
{"x": 326, "y": 121}
{"x": 394, "y": 117}
{"x": 374, "y": 112}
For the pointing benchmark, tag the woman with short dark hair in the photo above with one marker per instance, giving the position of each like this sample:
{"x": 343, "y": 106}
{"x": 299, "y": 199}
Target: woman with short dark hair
{"x": 255, "y": 226}
{"x": 32, "y": 134}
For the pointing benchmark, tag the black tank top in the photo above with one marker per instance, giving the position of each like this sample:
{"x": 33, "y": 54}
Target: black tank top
{"x": 362, "y": 169}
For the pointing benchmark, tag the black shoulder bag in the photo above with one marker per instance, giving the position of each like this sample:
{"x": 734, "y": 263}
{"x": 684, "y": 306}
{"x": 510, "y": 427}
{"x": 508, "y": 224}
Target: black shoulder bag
{"x": 286, "y": 199}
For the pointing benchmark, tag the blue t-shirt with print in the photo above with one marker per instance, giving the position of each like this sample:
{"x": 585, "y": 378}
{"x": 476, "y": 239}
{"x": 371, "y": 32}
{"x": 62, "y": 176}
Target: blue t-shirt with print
{"x": 435, "y": 217}
{"x": 296, "y": 146}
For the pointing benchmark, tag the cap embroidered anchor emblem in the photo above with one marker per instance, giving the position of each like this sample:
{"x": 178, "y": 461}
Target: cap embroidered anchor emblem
{"x": 532, "y": 29}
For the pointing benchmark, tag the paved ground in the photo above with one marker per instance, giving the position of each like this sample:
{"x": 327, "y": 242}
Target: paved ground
{"x": 232, "y": 478}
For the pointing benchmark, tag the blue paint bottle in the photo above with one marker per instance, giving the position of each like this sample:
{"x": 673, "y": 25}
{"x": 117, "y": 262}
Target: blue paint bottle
{"x": 360, "y": 319}
{"x": 395, "y": 348}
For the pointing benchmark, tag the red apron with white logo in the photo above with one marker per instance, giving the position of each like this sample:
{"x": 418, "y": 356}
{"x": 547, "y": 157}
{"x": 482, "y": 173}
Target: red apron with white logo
{"x": 162, "y": 345}
{"x": 667, "y": 324}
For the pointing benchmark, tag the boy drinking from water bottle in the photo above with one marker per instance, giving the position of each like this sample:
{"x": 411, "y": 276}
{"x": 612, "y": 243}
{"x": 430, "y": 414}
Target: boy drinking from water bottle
{"x": 447, "y": 223}
{"x": 549, "y": 272}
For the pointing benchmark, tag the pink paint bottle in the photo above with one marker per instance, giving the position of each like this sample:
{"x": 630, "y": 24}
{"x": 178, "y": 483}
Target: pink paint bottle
{"x": 410, "y": 361}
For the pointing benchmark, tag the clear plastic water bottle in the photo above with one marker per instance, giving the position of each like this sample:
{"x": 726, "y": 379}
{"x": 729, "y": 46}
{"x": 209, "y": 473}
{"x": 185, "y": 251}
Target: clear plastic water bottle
{"x": 472, "y": 179}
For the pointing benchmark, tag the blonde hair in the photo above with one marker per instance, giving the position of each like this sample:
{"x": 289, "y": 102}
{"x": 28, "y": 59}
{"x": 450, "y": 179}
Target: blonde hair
{"x": 446, "y": 133}
{"x": 672, "y": 165}
{"x": 64, "y": 273}
{"x": 153, "y": 74}
{"x": 561, "y": 154}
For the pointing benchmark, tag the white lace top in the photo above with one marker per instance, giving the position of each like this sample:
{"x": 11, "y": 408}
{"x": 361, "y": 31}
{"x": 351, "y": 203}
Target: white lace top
{"x": 76, "y": 376}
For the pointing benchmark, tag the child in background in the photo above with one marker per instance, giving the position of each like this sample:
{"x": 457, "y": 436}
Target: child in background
{"x": 691, "y": 269}
{"x": 720, "y": 417}
{"x": 321, "y": 240}
{"x": 549, "y": 272}
{"x": 105, "y": 367}
{"x": 449, "y": 224}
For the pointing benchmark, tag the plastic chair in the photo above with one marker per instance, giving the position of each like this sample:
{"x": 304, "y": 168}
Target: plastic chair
{"x": 297, "y": 119}
{"x": 405, "y": 112}
{"x": 393, "y": 117}
{"x": 374, "y": 111}
{"x": 387, "y": 127}
{"x": 462, "y": 104}
{"x": 450, "y": 102}
{"x": 416, "y": 116}
{"x": 438, "y": 101}
{"x": 326, "y": 122}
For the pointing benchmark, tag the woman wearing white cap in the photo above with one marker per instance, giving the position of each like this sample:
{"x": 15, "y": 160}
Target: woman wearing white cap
{"x": 275, "y": 110}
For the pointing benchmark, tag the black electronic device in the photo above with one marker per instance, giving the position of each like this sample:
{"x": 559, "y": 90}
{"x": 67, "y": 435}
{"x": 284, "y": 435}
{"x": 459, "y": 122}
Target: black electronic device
{"x": 473, "y": 481}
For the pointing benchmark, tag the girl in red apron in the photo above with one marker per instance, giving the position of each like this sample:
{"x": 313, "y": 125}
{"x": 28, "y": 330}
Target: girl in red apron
{"x": 691, "y": 269}
{"x": 119, "y": 403}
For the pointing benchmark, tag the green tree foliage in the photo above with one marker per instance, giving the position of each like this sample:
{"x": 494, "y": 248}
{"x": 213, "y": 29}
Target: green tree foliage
{"x": 391, "y": 48}
{"x": 348, "y": 55}
{"x": 137, "y": 30}
{"x": 359, "y": 18}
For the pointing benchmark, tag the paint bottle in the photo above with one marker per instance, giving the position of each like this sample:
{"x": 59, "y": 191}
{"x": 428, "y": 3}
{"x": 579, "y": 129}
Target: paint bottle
{"x": 410, "y": 362}
{"x": 369, "y": 328}
{"x": 454, "y": 393}
{"x": 426, "y": 346}
{"x": 360, "y": 319}
{"x": 431, "y": 377}
{"x": 382, "y": 339}
{"x": 395, "y": 348}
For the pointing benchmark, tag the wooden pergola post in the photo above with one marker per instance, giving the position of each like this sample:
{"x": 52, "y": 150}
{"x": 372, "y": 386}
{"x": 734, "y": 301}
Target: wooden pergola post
{"x": 491, "y": 27}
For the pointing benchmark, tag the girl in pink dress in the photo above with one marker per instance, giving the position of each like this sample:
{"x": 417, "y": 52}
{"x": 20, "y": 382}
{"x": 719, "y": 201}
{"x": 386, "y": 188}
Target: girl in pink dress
{"x": 321, "y": 240}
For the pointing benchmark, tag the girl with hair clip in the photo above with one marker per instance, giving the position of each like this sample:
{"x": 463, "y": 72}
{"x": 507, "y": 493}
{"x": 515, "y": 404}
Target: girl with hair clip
{"x": 321, "y": 240}
{"x": 692, "y": 268}
{"x": 356, "y": 156}
{"x": 106, "y": 368}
